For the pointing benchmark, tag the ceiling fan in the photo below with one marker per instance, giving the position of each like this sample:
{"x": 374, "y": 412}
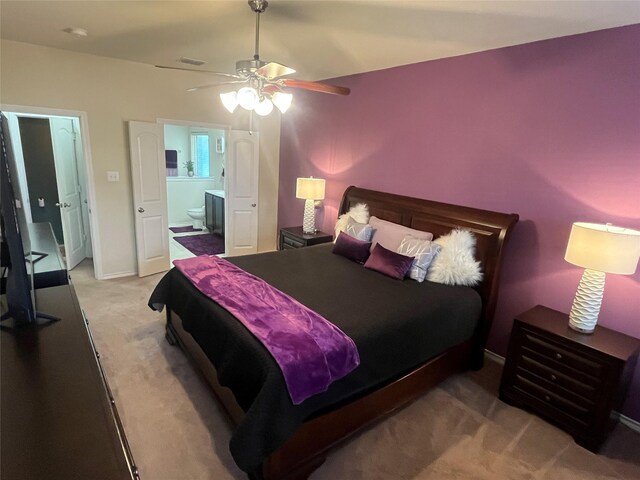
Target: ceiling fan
{"x": 264, "y": 82}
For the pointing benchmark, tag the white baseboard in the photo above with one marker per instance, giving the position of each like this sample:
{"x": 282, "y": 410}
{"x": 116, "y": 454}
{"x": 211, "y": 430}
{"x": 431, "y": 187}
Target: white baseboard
{"x": 494, "y": 356}
{"x": 629, "y": 422}
{"x": 111, "y": 276}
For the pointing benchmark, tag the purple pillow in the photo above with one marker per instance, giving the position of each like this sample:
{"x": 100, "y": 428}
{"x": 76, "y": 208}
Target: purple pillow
{"x": 351, "y": 248}
{"x": 388, "y": 262}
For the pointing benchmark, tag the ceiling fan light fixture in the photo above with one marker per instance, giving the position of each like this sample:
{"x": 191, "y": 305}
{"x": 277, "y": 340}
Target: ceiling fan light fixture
{"x": 282, "y": 101}
{"x": 229, "y": 100}
{"x": 264, "y": 80}
{"x": 264, "y": 108}
{"x": 248, "y": 98}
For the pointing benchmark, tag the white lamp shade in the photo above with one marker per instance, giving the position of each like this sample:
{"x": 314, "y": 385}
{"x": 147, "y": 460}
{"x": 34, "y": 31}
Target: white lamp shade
{"x": 229, "y": 100}
{"x": 604, "y": 248}
{"x": 282, "y": 101}
{"x": 310, "y": 188}
{"x": 248, "y": 98}
{"x": 264, "y": 107}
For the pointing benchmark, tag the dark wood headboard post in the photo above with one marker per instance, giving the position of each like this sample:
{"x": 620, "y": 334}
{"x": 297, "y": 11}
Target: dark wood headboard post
{"x": 491, "y": 229}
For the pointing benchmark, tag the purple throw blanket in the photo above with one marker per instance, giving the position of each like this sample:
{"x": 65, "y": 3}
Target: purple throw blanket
{"x": 311, "y": 351}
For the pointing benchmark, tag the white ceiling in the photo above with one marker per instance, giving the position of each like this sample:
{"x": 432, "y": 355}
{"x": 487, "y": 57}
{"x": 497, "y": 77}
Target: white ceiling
{"x": 321, "y": 39}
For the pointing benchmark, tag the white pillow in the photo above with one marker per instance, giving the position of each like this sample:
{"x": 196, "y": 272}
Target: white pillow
{"x": 359, "y": 212}
{"x": 455, "y": 264}
{"x": 423, "y": 251}
{"x": 361, "y": 231}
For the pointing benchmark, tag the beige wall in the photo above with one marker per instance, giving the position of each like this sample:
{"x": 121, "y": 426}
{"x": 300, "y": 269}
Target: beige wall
{"x": 112, "y": 92}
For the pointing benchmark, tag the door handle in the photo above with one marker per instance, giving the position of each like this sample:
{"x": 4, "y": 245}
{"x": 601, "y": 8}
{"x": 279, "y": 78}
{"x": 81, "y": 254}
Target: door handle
{"x": 253, "y": 205}
{"x": 58, "y": 205}
{"x": 140, "y": 209}
{"x": 66, "y": 205}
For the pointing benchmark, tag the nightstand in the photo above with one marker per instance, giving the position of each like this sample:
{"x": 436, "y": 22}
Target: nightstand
{"x": 571, "y": 379}
{"x": 293, "y": 237}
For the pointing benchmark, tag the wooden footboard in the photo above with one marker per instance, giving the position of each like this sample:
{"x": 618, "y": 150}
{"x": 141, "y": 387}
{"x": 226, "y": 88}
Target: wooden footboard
{"x": 306, "y": 450}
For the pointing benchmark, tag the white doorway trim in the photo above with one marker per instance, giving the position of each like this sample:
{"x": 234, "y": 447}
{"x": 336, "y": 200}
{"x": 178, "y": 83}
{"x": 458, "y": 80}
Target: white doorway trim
{"x": 86, "y": 146}
{"x": 215, "y": 126}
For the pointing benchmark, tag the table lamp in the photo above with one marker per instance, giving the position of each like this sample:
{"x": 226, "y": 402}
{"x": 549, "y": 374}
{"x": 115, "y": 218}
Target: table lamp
{"x": 310, "y": 189}
{"x": 599, "y": 249}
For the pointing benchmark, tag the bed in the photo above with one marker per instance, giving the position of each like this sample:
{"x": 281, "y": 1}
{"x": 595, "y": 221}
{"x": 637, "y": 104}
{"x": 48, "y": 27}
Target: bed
{"x": 410, "y": 336}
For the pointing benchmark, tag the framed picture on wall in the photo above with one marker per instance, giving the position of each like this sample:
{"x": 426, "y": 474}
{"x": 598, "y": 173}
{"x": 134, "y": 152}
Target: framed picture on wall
{"x": 220, "y": 145}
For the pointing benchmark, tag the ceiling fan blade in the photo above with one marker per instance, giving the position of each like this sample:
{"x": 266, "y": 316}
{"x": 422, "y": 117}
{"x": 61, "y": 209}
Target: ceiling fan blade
{"x": 209, "y": 72}
{"x": 211, "y": 85}
{"x": 314, "y": 86}
{"x": 274, "y": 70}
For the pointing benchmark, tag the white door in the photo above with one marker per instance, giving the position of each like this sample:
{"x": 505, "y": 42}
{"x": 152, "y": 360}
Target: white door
{"x": 146, "y": 142}
{"x": 84, "y": 197}
{"x": 63, "y": 138}
{"x": 241, "y": 196}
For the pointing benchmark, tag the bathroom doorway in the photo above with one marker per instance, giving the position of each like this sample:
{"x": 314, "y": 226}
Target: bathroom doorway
{"x": 52, "y": 172}
{"x": 195, "y": 171}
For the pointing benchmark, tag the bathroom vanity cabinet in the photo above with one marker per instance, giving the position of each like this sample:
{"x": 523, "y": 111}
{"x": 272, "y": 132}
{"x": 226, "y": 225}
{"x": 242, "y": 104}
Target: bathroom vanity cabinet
{"x": 214, "y": 211}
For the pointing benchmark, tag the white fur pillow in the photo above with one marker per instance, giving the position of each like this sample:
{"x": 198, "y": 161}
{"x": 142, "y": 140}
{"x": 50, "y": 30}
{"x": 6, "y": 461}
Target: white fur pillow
{"x": 456, "y": 264}
{"x": 360, "y": 213}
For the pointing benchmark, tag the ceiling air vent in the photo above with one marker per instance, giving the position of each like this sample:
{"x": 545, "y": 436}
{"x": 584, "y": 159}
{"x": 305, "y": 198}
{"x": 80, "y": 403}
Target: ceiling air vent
{"x": 192, "y": 61}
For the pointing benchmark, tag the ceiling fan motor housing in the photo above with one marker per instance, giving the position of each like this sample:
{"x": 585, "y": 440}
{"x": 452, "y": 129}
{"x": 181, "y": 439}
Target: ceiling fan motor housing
{"x": 258, "y": 6}
{"x": 246, "y": 68}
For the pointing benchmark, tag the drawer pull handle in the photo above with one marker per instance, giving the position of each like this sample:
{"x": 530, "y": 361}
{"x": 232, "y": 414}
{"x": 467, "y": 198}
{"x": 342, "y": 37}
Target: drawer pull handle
{"x": 547, "y": 398}
{"x": 553, "y": 377}
{"x": 559, "y": 356}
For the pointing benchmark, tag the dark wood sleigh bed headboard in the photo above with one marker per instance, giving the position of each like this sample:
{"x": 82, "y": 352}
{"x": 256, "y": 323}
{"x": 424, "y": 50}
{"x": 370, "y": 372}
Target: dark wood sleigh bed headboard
{"x": 491, "y": 230}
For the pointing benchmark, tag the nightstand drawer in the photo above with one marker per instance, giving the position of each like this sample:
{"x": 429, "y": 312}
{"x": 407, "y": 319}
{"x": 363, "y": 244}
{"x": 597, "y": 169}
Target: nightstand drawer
{"x": 581, "y": 414}
{"x": 554, "y": 377}
{"x": 561, "y": 354}
{"x": 559, "y": 391}
{"x": 562, "y": 367}
{"x": 288, "y": 242}
{"x": 294, "y": 237}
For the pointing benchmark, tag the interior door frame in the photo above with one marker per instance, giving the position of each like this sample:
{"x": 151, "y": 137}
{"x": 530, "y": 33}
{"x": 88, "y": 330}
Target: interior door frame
{"x": 215, "y": 126}
{"x": 88, "y": 163}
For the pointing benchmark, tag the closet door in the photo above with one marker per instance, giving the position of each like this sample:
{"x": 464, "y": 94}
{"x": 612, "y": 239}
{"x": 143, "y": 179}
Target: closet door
{"x": 146, "y": 143}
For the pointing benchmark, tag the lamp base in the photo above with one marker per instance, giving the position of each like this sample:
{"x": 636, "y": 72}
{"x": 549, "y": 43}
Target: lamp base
{"x": 581, "y": 330}
{"x": 309, "y": 219}
{"x": 586, "y": 305}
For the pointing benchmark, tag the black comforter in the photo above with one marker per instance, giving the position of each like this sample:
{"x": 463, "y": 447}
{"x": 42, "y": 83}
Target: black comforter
{"x": 396, "y": 325}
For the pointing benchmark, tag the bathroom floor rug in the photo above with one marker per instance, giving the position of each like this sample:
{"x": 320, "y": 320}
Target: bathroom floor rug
{"x": 210, "y": 244}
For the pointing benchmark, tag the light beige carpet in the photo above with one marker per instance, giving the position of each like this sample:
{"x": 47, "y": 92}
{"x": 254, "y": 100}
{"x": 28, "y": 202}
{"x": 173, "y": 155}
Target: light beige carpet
{"x": 459, "y": 430}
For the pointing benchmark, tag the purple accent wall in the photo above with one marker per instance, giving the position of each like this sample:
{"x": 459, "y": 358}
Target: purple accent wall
{"x": 549, "y": 130}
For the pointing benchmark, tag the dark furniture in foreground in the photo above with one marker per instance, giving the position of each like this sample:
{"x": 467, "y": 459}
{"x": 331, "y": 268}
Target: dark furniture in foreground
{"x": 572, "y": 379}
{"x": 294, "y": 237}
{"x": 59, "y": 419}
{"x": 51, "y": 270}
{"x": 307, "y": 448}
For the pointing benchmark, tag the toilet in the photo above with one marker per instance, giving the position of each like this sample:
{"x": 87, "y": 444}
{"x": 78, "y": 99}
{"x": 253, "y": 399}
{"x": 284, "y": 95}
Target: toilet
{"x": 197, "y": 215}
